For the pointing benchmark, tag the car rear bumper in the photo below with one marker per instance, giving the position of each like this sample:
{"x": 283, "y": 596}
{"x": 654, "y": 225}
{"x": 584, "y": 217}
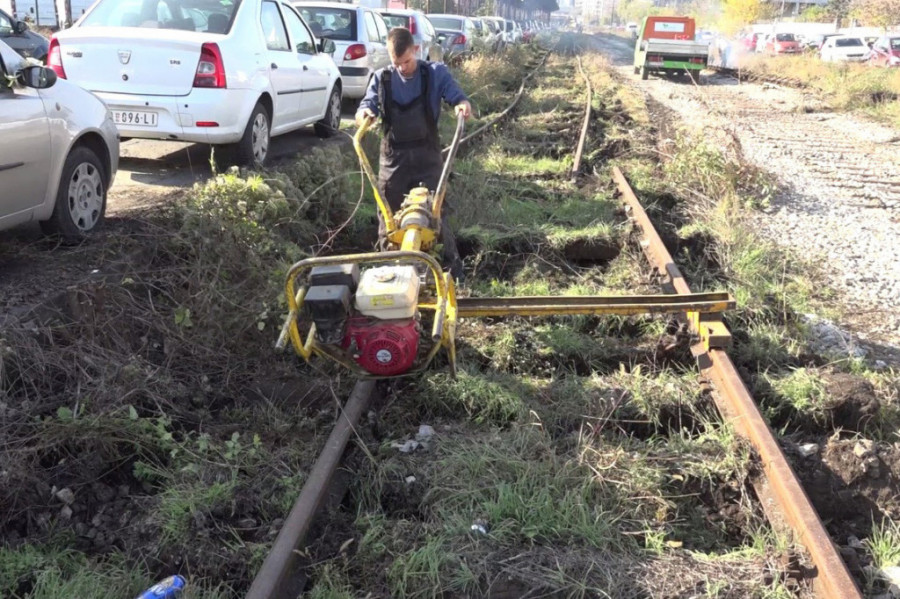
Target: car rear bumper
{"x": 224, "y": 113}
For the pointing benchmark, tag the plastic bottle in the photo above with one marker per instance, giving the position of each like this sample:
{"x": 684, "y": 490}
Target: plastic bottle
{"x": 170, "y": 588}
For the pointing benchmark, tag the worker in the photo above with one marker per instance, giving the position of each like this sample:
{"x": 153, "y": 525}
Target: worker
{"x": 407, "y": 95}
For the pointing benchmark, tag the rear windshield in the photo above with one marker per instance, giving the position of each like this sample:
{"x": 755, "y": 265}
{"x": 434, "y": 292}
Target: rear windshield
{"x": 396, "y": 21}
{"x": 333, "y": 23}
{"x": 785, "y": 37}
{"x": 446, "y": 23}
{"x": 847, "y": 42}
{"x": 210, "y": 16}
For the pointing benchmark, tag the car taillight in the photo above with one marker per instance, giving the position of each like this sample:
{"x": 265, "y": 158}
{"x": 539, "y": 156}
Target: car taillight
{"x": 54, "y": 58}
{"x": 210, "y": 69}
{"x": 355, "y": 51}
{"x": 460, "y": 39}
{"x": 412, "y": 25}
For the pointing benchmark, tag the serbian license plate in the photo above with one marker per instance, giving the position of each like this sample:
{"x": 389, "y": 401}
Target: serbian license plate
{"x": 134, "y": 117}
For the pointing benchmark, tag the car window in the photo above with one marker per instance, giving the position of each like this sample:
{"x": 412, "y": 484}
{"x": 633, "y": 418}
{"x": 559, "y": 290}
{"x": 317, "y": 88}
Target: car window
{"x": 785, "y": 37}
{"x": 382, "y": 28}
{"x": 371, "y": 27}
{"x": 209, "y": 16}
{"x": 273, "y": 27}
{"x": 333, "y": 23}
{"x": 397, "y": 21}
{"x": 446, "y": 23}
{"x": 6, "y": 26}
{"x": 301, "y": 38}
{"x": 895, "y": 43}
{"x": 848, "y": 42}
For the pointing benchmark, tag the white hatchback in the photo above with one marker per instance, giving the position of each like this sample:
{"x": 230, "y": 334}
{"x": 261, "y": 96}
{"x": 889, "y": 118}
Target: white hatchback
{"x": 230, "y": 72}
{"x": 840, "y": 48}
{"x": 360, "y": 36}
{"x": 59, "y": 151}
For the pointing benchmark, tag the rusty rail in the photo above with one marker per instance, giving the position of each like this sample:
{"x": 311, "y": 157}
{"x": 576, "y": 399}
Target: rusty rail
{"x": 833, "y": 579}
{"x": 579, "y": 150}
{"x": 275, "y": 578}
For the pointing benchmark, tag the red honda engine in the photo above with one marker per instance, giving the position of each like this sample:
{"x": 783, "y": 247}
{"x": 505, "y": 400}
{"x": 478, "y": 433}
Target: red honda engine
{"x": 383, "y": 347}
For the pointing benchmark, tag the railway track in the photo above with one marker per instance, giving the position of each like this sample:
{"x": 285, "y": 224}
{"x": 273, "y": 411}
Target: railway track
{"x": 779, "y": 490}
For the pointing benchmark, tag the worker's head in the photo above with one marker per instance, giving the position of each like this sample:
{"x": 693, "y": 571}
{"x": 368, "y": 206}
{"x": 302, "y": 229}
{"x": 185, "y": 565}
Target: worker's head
{"x": 402, "y": 49}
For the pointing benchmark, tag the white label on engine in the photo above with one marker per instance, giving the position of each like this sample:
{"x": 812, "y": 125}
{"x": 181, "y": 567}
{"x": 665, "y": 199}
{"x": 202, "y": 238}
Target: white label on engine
{"x": 383, "y": 356}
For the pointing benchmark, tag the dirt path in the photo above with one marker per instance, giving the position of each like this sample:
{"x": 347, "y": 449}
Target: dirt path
{"x": 838, "y": 201}
{"x": 151, "y": 173}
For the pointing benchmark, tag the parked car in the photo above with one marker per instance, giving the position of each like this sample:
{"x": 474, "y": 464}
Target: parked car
{"x": 21, "y": 39}
{"x": 454, "y": 31}
{"x": 814, "y": 43}
{"x": 497, "y": 26}
{"x": 513, "y": 32}
{"x": 360, "y": 38}
{"x": 844, "y": 48}
{"x": 749, "y": 41}
{"x": 782, "y": 43}
{"x": 249, "y": 71}
{"x": 59, "y": 151}
{"x": 419, "y": 26}
{"x": 885, "y": 52}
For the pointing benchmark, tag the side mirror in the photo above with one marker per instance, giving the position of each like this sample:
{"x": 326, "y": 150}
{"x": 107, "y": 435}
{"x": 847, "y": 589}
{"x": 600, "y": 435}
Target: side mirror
{"x": 326, "y": 46}
{"x": 37, "y": 77}
{"x": 20, "y": 27}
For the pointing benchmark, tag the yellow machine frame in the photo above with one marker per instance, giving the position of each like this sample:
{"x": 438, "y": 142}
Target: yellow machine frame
{"x": 414, "y": 230}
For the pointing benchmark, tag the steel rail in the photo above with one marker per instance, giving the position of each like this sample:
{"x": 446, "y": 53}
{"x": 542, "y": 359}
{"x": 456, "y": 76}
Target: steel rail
{"x": 275, "y": 578}
{"x": 579, "y": 149}
{"x": 736, "y": 404}
{"x": 474, "y": 307}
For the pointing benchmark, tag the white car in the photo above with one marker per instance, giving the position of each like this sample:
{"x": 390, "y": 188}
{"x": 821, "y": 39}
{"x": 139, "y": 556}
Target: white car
{"x": 844, "y": 48}
{"x": 59, "y": 151}
{"x": 360, "y": 35}
{"x": 419, "y": 26}
{"x": 207, "y": 71}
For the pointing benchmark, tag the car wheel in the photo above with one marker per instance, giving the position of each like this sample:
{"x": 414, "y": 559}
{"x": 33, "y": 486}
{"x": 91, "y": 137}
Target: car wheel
{"x": 253, "y": 148}
{"x": 81, "y": 198}
{"x": 331, "y": 122}
{"x": 644, "y": 73}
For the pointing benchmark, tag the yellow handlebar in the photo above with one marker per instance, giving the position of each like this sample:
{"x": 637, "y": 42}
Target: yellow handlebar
{"x": 386, "y": 212}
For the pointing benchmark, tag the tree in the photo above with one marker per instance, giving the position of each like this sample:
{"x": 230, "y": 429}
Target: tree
{"x": 737, "y": 14}
{"x": 839, "y": 9}
{"x": 815, "y": 14}
{"x": 878, "y": 13}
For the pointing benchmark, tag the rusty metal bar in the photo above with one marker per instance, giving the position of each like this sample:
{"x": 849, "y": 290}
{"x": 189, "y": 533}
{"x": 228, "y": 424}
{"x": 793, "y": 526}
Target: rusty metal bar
{"x": 833, "y": 579}
{"x": 275, "y": 578}
{"x": 473, "y": 307}
{"x": 579, "y": 150}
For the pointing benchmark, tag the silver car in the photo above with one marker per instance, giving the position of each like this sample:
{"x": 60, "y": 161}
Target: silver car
{"x": 456, "y": 32}
{"x": 59, "y": 151}
{"x": 419, "y": 26}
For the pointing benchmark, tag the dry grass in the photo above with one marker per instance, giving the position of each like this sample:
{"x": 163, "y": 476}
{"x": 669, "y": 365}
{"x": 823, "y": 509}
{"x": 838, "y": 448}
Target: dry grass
{"x": 847, "y": 86}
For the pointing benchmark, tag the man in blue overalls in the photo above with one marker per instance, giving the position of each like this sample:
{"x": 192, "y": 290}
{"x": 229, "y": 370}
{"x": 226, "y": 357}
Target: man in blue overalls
{"x": 407, "y": 95}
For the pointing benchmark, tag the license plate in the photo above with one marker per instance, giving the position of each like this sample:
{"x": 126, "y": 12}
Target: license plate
{"x": 134, "y": 117}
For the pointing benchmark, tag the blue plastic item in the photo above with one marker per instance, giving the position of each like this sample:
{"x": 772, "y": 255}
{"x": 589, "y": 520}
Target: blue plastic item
{"x": 170, "y": 588}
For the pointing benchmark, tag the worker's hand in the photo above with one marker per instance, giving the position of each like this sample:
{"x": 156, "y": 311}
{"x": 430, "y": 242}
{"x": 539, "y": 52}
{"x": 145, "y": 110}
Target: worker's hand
{"x": 362, "y": 115}
{"x": 464, "y": 108}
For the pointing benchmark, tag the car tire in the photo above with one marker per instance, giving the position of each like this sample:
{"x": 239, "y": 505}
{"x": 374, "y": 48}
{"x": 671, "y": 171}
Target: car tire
{"x": 80, "y": 205}
{"x": 637, "y": 70}
{"x": 645, "y": 74}
{"x": 253, "y": 148}
{"x": 331, "y": 122}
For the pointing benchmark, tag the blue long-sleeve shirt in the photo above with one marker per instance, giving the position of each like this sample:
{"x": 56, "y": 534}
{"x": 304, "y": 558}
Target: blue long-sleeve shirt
{"x": 441, "y": 86}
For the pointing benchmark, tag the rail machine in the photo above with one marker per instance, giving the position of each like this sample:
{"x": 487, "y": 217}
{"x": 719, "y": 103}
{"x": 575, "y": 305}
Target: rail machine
{"x": 387, "y": 314}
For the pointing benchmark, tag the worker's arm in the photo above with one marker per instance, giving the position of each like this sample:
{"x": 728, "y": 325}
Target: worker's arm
{"x": 368, "y": 107}
{"x": 449, "y": 89}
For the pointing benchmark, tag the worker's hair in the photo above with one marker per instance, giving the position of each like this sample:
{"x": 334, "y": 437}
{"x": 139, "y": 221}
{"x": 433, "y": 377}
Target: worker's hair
{"x": 399, "y": 41}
